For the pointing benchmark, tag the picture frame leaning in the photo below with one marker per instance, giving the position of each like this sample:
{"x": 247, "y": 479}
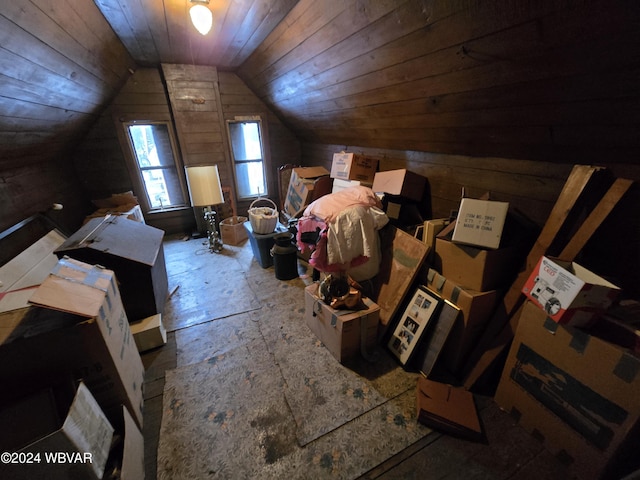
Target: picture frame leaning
{"x": 421, "y": 309}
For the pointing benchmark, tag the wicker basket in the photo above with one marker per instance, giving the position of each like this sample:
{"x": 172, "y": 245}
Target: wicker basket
{"x": 263, "y": 219}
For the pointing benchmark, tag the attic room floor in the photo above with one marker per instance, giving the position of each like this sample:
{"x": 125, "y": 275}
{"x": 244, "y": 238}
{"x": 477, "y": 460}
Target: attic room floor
{"x": 202, "y": 292}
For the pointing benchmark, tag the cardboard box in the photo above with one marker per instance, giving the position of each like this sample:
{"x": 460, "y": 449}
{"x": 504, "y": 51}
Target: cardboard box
{"x": 480, "y": 223}
{"x": 149, "y": 332}
{"x": 76, "y": 326}
{"x": 569, "y": 293}
{"x": 351, "y": 166}
{"x": 76, "y": 447}
{"x": 131, "y": 212}
{"x": 400, "y": 182}
{"x": 340, "y": 330}
{"x": 339, "y": 185}
{"x": 301, "y": 185}
{"x": 233, "y": 233}
{"x": 476, "y": 309}
{"x": 127, "y": 454}
{"x": 576, "y": 393}
{"x": 476, "y": 268}
{"x": 134, "y": 251}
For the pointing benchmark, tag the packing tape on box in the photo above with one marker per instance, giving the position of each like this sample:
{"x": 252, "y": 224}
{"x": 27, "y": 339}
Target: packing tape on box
{"x": 437, "y": 281}
{"x": 92, "y": 276}
{"x": 628, "y": 366}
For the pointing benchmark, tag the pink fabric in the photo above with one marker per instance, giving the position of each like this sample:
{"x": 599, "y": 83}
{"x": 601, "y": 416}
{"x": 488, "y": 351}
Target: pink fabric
{"x": 329, "y": 206}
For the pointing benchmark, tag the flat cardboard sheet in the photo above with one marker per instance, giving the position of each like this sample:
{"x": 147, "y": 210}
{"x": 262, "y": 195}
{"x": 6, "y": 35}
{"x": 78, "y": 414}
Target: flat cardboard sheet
{"x": 448, "y": 409}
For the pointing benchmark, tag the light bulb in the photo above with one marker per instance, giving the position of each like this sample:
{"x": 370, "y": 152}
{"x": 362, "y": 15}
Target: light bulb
{"x": 202, "y": 18}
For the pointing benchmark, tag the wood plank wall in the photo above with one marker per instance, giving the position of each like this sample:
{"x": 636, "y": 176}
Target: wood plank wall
{"x": 201, "y": 133}
{"x": 61, "y": 64}
{"x": 548, "y": 81}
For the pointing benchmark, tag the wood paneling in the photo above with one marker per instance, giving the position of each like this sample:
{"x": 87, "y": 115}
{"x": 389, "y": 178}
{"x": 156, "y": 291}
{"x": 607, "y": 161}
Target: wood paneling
{"x": 548, "y": 81}
{"x": 61, "y": 64}
{"x": 157, "y": 32}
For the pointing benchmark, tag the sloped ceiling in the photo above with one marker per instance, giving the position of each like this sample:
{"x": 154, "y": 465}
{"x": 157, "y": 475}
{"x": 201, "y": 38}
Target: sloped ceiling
{"x": 155, "y": 31}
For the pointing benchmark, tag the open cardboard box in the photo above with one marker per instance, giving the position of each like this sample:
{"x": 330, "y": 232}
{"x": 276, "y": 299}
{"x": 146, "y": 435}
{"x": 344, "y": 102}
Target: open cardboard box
{"x": 74, "y": 324}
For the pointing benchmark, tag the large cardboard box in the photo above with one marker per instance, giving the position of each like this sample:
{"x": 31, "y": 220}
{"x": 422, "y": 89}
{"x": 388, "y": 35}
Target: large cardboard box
{"x": 476, "y": 309}
{"x": 73, "y": 444}
{"x": 579, "y": 395}
{"x": 134, "y": 251}
{"x": 400, "y": 182}
{"x": 480, "y": 222}
{"x": 127, "y": 452}
{"x": 351, "y": 166}
{"x": 341, "y": 330}
{"x": 76, "y": 326}
{"x": 569, "y": 293}
{"x": 301, "y": 185}
{"x": 477, "y": 268}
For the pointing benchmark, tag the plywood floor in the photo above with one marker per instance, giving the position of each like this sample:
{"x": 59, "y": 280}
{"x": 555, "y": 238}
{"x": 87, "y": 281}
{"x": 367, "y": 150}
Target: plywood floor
{"x": 510, "y": 452}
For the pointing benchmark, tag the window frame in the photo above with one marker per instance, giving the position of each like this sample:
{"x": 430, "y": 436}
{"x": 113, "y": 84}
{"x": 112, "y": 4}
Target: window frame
{"x": 136, "y": 171}
{"x": 263, "y": 147}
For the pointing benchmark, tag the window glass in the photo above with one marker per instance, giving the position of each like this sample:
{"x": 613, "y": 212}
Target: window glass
{"x": 246, "y": 149}
{"x": 153, "y": 150}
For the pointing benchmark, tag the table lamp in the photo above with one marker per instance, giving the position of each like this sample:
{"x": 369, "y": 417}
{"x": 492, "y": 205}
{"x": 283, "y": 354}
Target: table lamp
{"x": 205, "y": 191}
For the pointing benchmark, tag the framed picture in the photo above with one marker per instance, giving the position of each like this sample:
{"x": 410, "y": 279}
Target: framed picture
{"x": 422, "y": 308}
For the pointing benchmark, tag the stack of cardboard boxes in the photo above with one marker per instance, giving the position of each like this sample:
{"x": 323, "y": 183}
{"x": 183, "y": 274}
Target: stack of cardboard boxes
{"x": 71, "y": 378}
{"x": 473, "y": 263}
{"x": 578, "y": 393}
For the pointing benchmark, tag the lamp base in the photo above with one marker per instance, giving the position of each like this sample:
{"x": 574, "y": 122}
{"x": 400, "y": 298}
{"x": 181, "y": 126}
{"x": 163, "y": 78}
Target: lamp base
{"x": 215, "y": 242}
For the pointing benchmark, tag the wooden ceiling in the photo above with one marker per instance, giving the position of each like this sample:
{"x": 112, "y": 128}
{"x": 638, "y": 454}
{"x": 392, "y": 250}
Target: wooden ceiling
{"x": 155, "y": 31}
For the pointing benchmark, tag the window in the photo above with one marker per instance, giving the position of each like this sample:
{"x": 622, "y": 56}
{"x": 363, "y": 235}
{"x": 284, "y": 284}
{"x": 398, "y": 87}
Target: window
{"x": 248, "y": 159}
{"x": 152, "y": 146}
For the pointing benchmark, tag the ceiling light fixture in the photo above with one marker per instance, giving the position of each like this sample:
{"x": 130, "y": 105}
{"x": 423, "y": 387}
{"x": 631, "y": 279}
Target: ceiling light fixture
{"x": 201, "y": 16}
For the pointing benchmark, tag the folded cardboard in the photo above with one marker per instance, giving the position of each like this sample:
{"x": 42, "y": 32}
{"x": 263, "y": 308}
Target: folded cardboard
{"x": 149, "y": 332}
{"x": 480, "y": 222}
{"x": 477, "y": 268}
{"x": 31, "y": 266}
{"x": 345, "y": 333}
{"x": 578, "y": 394}
{"x": 448, "y": 409}
{"x": 301, "y": 185}
{"x": 76, "y": 447}
{"x": 476, "y": 309}
{"x": 351, "y": 166}
{"x": 131, "y": 212}
{"x": 76, "y": 325}
{"x": 400, "y": 182}
{"x": 134, "y": 251}
{"x": 569, "y": 293}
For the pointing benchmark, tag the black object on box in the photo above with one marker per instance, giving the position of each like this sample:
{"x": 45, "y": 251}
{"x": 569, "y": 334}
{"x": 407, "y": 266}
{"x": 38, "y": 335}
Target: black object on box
{"x": 134, "y": 251}
{"x": 261, "y": 244}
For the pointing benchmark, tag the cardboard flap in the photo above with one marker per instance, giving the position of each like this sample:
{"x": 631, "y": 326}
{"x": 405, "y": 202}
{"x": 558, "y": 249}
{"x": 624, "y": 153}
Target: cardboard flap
{"x": 447, "y": 408}
{"x": 74, "y": 287}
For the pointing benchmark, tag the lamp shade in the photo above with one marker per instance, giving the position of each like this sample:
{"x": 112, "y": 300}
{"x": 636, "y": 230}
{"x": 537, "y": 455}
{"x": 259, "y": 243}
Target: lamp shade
{"x": 204, "y": 186}
{"x": 202, "y": 18}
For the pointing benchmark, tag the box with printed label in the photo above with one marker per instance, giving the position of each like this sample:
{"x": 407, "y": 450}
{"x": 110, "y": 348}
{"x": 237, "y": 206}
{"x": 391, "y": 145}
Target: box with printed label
{"x": 480, "y": 223}
{"x": 351, "y": 166}
{"x": 72, "y": 324}
{"x": 579, "y": 395}
{"x": 569, "y": 293}
{"x": 341, "y": 330}
{"x": 301, "y": 185}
